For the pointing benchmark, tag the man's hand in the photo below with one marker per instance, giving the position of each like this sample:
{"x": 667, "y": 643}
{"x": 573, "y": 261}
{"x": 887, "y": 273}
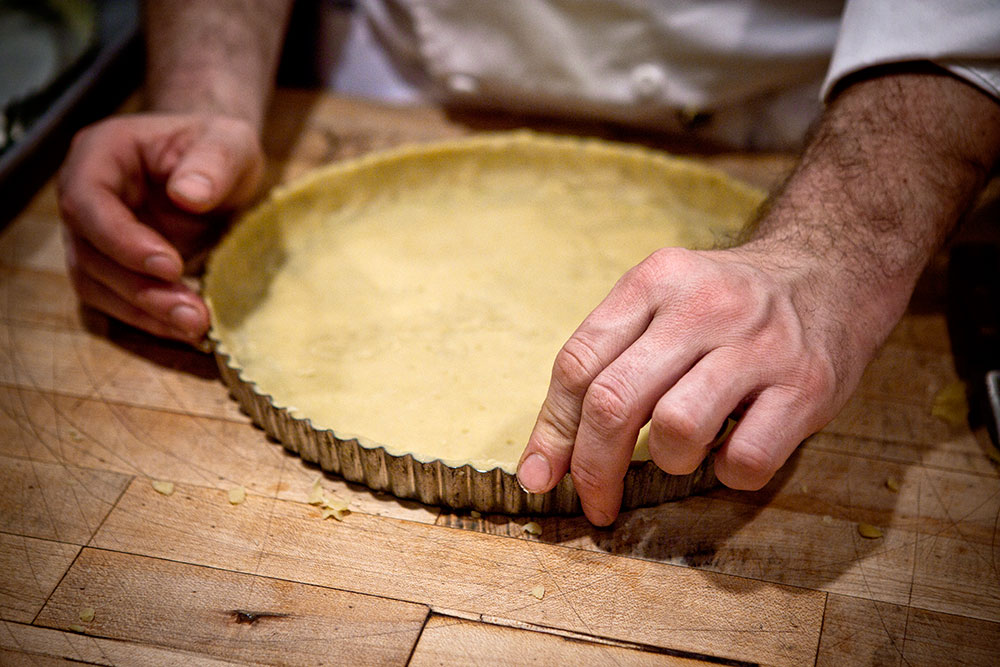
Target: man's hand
{"x": 686, "y": 339}
{"x": 141, "y": 194}
{"x": 135, "y": 195}
{"x": 780, "y": 329}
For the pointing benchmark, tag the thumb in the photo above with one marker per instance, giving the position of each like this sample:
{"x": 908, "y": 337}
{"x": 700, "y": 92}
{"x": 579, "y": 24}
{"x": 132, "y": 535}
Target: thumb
{"x": 223, "y": 167}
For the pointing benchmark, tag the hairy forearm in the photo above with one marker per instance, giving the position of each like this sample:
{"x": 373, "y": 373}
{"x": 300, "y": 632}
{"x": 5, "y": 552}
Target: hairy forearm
{"x": 892, "y": 166}
{"x": 213, "y": 56}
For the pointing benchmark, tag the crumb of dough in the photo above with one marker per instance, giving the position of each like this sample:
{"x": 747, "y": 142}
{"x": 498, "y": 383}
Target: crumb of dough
{"x": 803, "y": 488}
{"x": 335, "y": 513}
{"x": 538, "y": 592}
{"x": 827, "y": 519}
{"x": 892, "y": 484}
{"x": 869, "y": 531}
{"x": 75, "y": 436}
{"x": 532, "y": 528}
{"x": 77, "y": 628}
{"x": 164, "y": 488}
{"x": 335, "y": 503}
{"x": 87, "y": 614}
{"x": 951, "y": 404}
{"x": 334, "y": 507}
{"x": 237, "y": 495}
{"x": 315, "y": 494}
{"x": 475, "y": 515}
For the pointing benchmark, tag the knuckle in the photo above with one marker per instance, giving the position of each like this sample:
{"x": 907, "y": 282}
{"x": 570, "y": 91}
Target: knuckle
{"x": 821, "y": 378}
{"x": 678, "y": 425}
{"x": 561, "y": 428}
{"x": 674, "y": 462}
{"x": 650, "y": 272}
{"x": 82, "y": 137}
{"x": 607, "y": 405}
{"x": 142, "y": 296}
{"x": 815, "y": 382}
{"x": 668, "y": 257}
{"x": 587, "y": 478}
{"x": 748, "y": 466}
{"x": 68, "y": 200}
{"x": 576, "y": 365}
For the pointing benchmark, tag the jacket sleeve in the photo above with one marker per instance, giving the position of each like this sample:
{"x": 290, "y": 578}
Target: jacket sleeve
{"x": 961, "y": 36}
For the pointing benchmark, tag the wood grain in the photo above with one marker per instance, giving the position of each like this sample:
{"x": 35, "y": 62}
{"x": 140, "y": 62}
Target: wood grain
{"x": 38, "y": 298}
{"x": 452, "y": 641}
{"x": 33, "y": 645}
{"x": 863, "y": 632}
{"x": 957, "y": 577}
{"x": 33, "y": 239}
{"x": 939, "y": 639}
{"x": 218, "y": 453}
{"x": 592, "y": 593}
{"x": 31, "y": 568}
{"x": 802, "y": 530}
{"x": 247, "y": 619}
{"x": 762, "y": 544}
{"x": 164, "y": 376}
{"x": 16, "y": 658}
{"x": 54, "y": 501}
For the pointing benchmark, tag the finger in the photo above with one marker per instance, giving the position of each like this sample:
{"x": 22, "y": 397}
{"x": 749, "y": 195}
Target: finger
{"x": 172, "y": 304}
{"x": 617, "y": 403}
{"x": 687, "y": 419}
{"x": 607, "y": 332}
{"x": 222, "y": 167}
{"x": 100, "y": 297}
{"x": 92, "y": 207}
{"x": 773, "y": 426}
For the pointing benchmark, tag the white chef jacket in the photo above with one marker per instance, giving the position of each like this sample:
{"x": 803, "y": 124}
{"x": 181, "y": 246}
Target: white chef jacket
{"x": 744, "y": 73}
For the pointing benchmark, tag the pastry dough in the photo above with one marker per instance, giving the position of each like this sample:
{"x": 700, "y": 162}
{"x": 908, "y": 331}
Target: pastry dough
{"x": 416, "y": 300}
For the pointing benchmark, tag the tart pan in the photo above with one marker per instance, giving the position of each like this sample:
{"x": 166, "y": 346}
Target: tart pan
{"x": 231, "y": 290}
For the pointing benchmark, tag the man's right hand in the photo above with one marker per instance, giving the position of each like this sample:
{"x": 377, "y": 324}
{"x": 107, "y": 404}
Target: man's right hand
{"x": 139, "y": 195}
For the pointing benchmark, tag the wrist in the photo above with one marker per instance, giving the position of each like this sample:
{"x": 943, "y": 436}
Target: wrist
{"x": 206, "y": 92}
{"x": 892, "y": 166}
{"x": 215, "y": 58}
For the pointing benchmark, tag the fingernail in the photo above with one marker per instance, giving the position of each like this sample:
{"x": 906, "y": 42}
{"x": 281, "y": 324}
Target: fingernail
{"x": 196, "y": 188}
{"x": 534, "y": 474}
{"x": 186, "y": 319}
{"x": 161, "y": 266}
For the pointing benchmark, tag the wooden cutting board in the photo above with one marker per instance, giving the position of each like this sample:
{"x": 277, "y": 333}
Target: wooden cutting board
{"x": 93, "y": 412}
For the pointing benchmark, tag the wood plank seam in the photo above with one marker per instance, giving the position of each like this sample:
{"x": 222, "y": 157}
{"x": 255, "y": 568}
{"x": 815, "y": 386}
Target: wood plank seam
{"x": 470, "y": 616}
{"x": 822, "y": 627}
{"x": 573, "y": 547}
{"x": 583, "y": 637}
{"x": 120, "y": 642}
{"x": 121, "y": 494}
{"x": 577, "y": 548}
{"x": 916, "y": 535}
{"x": 416, "y": 642}
{"x": 59, "y": 583}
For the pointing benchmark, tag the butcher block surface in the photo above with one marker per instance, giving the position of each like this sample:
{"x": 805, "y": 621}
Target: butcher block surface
{"x": 98, "y": 566}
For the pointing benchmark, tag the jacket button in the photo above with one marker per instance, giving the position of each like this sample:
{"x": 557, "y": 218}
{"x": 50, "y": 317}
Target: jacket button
{"x": 648, "y": 82}
{"x": 463, "y": 84}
